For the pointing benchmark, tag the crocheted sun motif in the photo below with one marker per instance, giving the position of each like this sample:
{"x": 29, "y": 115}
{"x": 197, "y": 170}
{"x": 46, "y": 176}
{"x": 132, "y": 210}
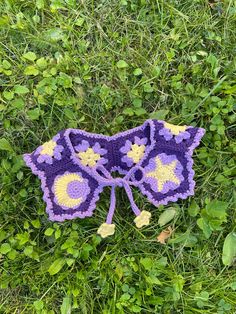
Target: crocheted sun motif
{"x": 49, "y": 150}
{"x": 134, "y": 152}
{"x": 178, "y": 132}
{"x": 164, "y": 173}
{"x": 70, "y": 190}
{"x": 90, "y": 156}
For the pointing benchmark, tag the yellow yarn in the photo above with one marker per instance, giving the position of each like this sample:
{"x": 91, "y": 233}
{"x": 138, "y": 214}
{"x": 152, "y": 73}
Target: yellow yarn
{"x": 89, "y": 157}
{"x": 106, "y": 229}
{"x": 163, "y": 173}
{"x": 175, "y": 129}
{"x": 60, "y": 190}
{"x": 136, "y": 152}
{"x": 142, "y": 219}
{"x": 48, "y": 148}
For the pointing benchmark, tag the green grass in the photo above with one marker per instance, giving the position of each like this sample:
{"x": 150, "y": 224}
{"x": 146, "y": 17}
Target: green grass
{"x": 106, "y": 66}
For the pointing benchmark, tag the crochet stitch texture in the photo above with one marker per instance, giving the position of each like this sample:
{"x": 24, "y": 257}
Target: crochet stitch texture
{"x": 75, "y": 165}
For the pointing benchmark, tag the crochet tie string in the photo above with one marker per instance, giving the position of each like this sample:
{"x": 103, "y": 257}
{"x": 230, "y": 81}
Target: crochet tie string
{"x": 108, "y": 180}
{"x": 105, "y": 179}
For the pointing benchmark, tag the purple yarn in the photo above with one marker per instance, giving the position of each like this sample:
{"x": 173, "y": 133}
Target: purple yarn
{"x": 113, "y": 157}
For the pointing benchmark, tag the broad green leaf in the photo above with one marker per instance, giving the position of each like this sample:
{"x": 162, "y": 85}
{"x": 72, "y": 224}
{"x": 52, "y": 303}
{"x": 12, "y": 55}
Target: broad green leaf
{"x": 121, "y": 64}
{"x": 42, "y": 63}
{"x": 57, "y": 233}
{"x": 202, "y": 224}
{"x": 137, "y": 72}
{"x": 21, "y": 89}
{"x": 166, "y": 216}
{"x": 33, "y": 114}
{"x": 137, "y": 102}
{"x": 140, "y": 111}
{"x": 148, "y": 88}
{"x": 56, "y": 266}
{"x": 217, "y": 209}
{"x": 193, "y": 209}
{"x": 229, "y": 249}
{"x": 40, "y": 4}
{"x": 66, "y": 305}
{"x": 3, "y": 235}
{"x": 55, "y": 34}
{"x": 18, "y": 103}
{"x": 31, "y": 70}
{"x": 28, "y": 250}
{"x": 31, "y": 56}
{"x": 48, "y": 232}
{"x": 128, "y": 111}
{"x": 153, "y": 280}
{"x": 5, "y": 145}
{"x": 38, "y": 305}
{"x": 5, "y": 248}
{"x": 136, "y": 309}
{"x": 146, "y": 262}
{"x": 6, "y": 65}
{"x": 160, "y": 114}
{"x": 8, "y": 95}
{"x": 79, "y": 21}
{"x": 65, "y": 80}
{"x": 69, "y": 114}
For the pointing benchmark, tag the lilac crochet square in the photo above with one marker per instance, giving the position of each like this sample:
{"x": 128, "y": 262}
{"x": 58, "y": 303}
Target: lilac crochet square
{"x": 75, "y": 166}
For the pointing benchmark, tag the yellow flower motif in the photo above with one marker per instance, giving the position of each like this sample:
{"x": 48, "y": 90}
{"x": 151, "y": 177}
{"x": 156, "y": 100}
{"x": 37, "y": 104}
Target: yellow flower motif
{"x": 175, "y": 129}
{"x": 136, "y": 152}
{"x": 163, "y": 173}
{"x": 142, "y": 219}
{"x": 106, "y": 230}
{"x": 48, "y": 148}
{"x": 89, "y": 157}
{"x": 60, "y": 190}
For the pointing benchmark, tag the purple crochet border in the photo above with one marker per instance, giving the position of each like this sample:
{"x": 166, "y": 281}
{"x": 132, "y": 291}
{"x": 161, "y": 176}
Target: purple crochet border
{"x": 191, "y": 181}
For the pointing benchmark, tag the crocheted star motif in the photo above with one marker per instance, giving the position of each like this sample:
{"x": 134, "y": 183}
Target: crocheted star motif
{"x": 164, "y": 173}
{"x": 136, "y": 152}
{"x": 70, "y": 189}
{"x": 106, "y": 230}
{"x": 175, "y": 129}
{"x": 142, "y": 219}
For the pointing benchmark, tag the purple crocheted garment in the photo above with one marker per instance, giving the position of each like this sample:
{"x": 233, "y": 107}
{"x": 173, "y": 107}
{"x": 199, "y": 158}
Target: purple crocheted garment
{"x": 75, "y": 166}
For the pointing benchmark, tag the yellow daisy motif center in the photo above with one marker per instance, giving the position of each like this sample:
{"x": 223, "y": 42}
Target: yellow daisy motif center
{"x": 48, "y": 148}
{"x": 136, "y": 152}
{"x": 175, "y": 129}
{"x": 164, "y": 173}
{"x": 89, "y": 157}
